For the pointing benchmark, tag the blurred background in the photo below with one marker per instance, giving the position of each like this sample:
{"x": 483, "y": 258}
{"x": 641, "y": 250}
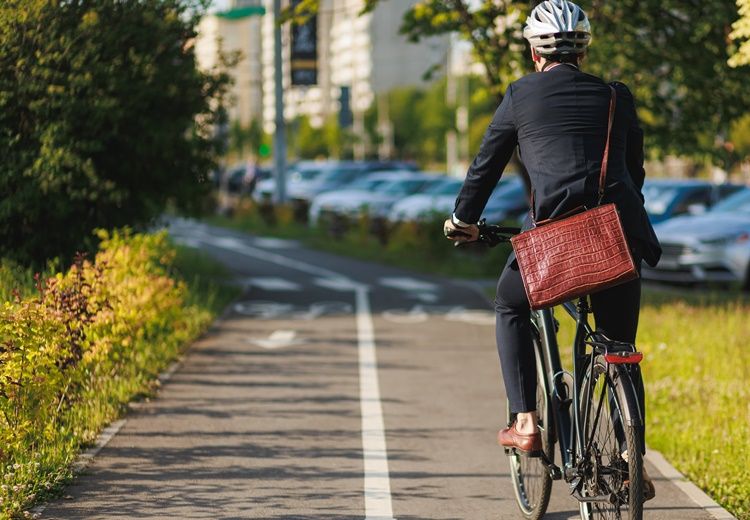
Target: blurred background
{"x": 385, "y": 112}
{"x": 343, "y": 125}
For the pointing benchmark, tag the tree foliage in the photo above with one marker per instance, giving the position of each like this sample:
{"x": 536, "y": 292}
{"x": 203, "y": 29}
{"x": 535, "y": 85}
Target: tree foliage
{"x": 741, "y": 35}
{"x": 103, "y": 118}
{"x": 672, "y": 53}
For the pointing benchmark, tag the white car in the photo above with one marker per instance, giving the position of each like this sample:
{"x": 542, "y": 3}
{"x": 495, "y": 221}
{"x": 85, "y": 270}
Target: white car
{"x": 375, "y": 194}
{"x": 508, "y": 200}
{"x": 298, "y": 177}
{"x": 713, "y": 247}
{"x": 437, "y": 200}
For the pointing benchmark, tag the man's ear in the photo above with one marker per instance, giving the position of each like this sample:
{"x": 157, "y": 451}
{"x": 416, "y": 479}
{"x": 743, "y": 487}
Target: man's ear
{"x": 535, "y": 56}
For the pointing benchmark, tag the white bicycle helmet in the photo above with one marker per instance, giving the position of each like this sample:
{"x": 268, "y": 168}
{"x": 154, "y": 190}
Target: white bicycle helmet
{"x": 558, "y": 27}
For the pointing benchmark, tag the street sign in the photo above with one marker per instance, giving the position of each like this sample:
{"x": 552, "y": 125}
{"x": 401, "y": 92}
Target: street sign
{"x": 304, "y": 50}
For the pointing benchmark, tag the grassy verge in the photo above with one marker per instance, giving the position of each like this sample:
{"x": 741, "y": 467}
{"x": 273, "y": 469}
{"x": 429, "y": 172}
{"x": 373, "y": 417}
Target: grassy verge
{"x": 696, "y": 366}
{"x": 77, "y": 347}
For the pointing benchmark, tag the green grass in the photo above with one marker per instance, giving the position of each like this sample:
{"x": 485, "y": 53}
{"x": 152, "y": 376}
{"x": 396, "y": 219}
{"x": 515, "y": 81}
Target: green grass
{"x": 696, "y": 366}
{"x": 697, "y": 374}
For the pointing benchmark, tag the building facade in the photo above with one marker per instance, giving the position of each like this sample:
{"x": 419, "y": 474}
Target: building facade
{"x": 229, "y": 34}
{"x": 365, "y": 53}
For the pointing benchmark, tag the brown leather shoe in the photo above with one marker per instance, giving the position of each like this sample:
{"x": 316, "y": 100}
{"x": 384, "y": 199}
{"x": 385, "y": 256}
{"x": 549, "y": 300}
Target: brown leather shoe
{"x": 530, "y": 444}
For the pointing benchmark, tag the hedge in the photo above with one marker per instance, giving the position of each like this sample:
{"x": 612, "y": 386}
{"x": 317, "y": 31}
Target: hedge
{"x": 75, "y": 352}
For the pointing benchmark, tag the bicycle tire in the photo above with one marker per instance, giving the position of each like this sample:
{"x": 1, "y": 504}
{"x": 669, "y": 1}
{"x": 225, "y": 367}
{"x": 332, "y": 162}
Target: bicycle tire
{"x": 609, "y": 433}
{"x": 532, "y": 482}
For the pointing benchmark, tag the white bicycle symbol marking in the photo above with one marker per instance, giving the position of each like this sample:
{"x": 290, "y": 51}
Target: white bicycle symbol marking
{"x": 421, "y": 313}
{"x": 269, "y": 310}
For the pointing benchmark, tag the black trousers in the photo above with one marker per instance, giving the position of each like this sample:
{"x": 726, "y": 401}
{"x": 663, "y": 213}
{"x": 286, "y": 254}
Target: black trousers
{"x": 615, "y": 313}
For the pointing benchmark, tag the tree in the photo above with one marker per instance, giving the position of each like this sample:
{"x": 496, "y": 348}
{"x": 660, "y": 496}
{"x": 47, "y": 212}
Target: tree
{"x": 741, "y": 35}
{"x": 672, "y": 53}
{"x": 104, "y": 118}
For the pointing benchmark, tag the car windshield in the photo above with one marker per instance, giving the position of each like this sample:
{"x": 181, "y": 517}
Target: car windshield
{"x": 658, "y": 197}
{"x": 737, "y": 203}
{"x": 337, "y": 175}
{"x": 306, "y": 174}
{"x": 401, "y": 187}
{"x": 447, "y": 187}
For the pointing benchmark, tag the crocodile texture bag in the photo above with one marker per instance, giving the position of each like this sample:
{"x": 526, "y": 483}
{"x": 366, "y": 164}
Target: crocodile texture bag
{"x": 567, "y": 257}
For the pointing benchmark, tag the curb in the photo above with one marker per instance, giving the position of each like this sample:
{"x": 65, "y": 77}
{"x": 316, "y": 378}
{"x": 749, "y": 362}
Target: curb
{"x": 695, "y": 493}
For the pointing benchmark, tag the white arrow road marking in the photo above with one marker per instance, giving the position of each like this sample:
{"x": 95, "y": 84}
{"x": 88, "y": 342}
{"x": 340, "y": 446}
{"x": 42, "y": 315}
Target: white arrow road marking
{"x": 270, "y": 283}
{"x": 278, "y": 339}
{"x": 405, "y": 283}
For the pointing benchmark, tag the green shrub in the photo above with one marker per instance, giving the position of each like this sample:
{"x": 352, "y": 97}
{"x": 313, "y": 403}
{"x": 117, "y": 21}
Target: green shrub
{"x": 74, "y": 354}
{"x": 104, "y": 118}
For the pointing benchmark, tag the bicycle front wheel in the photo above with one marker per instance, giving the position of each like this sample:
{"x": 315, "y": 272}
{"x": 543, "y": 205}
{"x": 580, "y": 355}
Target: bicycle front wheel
{"x": 611, "y": 463}
{"x": 532, "y": 482}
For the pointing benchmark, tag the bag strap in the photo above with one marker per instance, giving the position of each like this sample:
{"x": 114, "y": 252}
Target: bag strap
{"x": 605, "y": 160}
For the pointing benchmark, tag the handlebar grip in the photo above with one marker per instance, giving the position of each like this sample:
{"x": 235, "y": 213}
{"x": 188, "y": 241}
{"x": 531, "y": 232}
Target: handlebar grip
{"x": 456, "y": 233}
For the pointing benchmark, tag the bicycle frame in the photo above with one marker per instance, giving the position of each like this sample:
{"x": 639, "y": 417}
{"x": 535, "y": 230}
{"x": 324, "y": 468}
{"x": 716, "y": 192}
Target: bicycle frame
{"x": 567, "y": 425}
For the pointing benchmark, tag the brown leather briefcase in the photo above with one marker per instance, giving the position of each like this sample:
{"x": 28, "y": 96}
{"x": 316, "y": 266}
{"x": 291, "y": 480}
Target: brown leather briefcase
{"x": 564, "y": 258}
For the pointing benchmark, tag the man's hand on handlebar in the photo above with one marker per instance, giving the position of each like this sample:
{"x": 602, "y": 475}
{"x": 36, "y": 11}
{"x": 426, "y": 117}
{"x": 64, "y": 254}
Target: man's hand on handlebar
{"x": 460, "y": 235}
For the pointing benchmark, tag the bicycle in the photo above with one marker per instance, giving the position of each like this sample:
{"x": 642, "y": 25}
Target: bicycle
{"x": 593, "y": 414}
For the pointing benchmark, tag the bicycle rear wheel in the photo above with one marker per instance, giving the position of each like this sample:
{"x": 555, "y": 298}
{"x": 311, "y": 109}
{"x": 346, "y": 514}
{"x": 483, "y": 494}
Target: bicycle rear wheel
{"x": 532, "y": 482}
{"x": 612, "y": 462}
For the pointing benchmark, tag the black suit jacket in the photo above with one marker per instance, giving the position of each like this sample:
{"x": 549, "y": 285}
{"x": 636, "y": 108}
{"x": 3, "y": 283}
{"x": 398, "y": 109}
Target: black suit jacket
{"x": 558, "y": 120}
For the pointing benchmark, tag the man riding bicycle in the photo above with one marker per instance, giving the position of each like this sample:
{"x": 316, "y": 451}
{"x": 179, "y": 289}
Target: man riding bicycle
{"x": 557, "y": 117}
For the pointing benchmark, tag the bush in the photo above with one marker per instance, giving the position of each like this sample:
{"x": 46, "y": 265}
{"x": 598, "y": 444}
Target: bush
{"x": 103, "y": 119}
{"x": 73, "y": 355}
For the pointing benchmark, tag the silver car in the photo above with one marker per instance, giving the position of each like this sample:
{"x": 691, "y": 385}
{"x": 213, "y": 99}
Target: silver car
{"x": 713, "y": 247}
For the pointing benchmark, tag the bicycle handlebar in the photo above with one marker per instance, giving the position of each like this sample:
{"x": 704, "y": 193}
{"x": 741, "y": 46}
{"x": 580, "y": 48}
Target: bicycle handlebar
{"x": 490, "y": 235}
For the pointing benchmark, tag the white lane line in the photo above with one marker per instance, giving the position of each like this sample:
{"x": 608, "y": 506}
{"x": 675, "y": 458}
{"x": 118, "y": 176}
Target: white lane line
{"x": 377, "y": 481}
{"x": 406, "y": 283}
{"x": 377, "y": 487}
{"x": 275, "y": 243}
{"x": 271, "y": 283}
{"x": 237, "y": 246}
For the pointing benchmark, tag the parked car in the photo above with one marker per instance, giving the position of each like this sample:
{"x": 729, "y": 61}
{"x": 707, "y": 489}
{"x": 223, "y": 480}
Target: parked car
{"x": 667, "y": 198}
{"x": 375, "y": 193}
{"x": 508, "y": 201}
{"x": 714, "y": 247}
{"x": 297, "y": 175}
{"x": 439, "y": 199}
{"x": 306, "y": 179}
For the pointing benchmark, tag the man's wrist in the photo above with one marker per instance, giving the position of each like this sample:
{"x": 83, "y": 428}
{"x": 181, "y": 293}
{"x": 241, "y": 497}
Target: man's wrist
{"x": 457, "y": 222}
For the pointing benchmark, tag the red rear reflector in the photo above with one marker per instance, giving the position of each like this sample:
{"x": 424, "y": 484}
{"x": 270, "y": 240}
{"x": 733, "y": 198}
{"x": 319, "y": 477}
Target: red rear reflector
{"x": 622, "y": 358}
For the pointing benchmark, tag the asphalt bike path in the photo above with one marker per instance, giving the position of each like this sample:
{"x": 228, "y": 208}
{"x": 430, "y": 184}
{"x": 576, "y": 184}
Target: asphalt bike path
{"x": 332, "y": 389}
